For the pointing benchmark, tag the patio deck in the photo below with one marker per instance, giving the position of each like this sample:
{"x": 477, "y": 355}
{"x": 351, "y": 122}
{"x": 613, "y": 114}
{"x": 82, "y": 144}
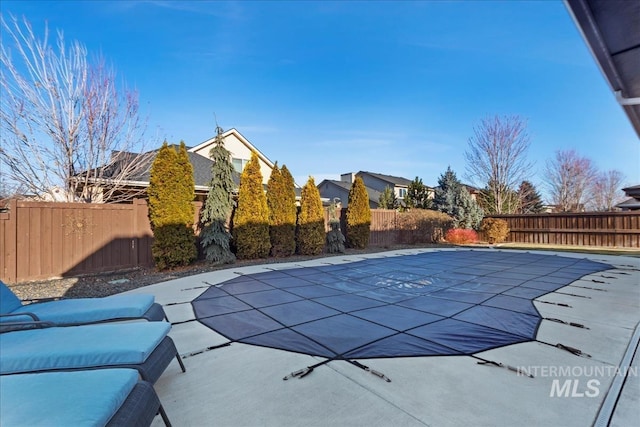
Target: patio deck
{"x": 242, "y": 385}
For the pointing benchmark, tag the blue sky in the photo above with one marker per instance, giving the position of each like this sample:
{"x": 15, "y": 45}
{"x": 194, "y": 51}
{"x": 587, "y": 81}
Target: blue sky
{"x": 334, "y": 87}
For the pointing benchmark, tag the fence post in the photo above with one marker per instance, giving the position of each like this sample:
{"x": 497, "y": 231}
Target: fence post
{"x": 9, "y": 243}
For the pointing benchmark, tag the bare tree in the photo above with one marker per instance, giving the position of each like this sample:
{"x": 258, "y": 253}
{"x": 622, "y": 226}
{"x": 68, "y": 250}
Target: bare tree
{"x": 496, "y": 159}
{"x": 67, "y": 129}
{"x": 568, "y": 177}
{"x": 606, "y": 190}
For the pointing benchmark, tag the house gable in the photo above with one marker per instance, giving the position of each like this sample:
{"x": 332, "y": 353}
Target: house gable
{"x": 240, "y": 149}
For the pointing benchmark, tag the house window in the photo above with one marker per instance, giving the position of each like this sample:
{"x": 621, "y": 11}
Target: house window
{"x": 238, "y": 164}
{"x": 402, "y": 192}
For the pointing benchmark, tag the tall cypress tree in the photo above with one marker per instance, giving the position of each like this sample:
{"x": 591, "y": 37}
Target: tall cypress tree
{"x": 186, "y": 191}
{"x": 291, "y": 212}
{"x": 171, "y": 192}
{"x": 280, "y": 208}
{"x": 251, "y": 219}
{"x": 310, "y": 233}
{"x": 215, "y": 237}
{"x": 358, "y": 215}
{"x": 161, "y": 183}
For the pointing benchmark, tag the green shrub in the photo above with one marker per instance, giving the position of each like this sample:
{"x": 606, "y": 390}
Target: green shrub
{"x": 358, "y": 216}
{"x": 423, "y": 226}
{"x": 251, "y": 219}
{"x": 461, "y": 236}
{"x": 171, "y": 212}
{"x": 496, "y": 230}
{"x": 174, "y": 245}
{"x": 310, "y": 236}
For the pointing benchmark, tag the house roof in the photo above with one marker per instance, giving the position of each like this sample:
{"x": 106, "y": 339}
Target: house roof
{"x": 395, "y": 180}
{"x": 201, "y": 170}
{"x": 633, "y": 191}
{"x": 611, "y": 30}
{"x": 630, "y": 203}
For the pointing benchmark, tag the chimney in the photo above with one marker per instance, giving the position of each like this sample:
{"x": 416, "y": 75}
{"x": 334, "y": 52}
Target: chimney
{"x": 347, "y": 177}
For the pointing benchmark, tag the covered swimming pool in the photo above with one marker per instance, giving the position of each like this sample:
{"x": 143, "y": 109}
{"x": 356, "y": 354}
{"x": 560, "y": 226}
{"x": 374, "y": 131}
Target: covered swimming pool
{"x": 428, "y": 304}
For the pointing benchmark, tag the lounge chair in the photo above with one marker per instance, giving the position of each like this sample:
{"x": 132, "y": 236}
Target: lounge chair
{"x": 70, "y": 312}
{"x": 143, "y": 346}
{"x": 105, "y": 397}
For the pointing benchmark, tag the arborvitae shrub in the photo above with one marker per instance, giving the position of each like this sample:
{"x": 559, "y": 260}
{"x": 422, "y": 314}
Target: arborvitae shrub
{"x": 281, "y": 199}
{"x": 288, "y": 232}
{"x": 310, "y": 236}
{"x": 358, "y": 215}
{"x": 423, "y": 226}
{"x": 174, "y": 245}
{"x": 461, "y": 236}
{"x": 251, "y": 219}
{"x": 171, "y": 192}
{"x": 496, "y": 230}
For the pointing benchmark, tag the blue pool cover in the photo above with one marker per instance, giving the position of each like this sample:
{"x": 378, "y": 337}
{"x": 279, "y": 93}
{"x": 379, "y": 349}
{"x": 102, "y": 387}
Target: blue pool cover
{"x": 428, "y": 304}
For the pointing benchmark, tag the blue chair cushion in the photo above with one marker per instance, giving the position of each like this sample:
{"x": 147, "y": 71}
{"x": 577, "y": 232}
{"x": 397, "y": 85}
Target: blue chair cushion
{"x": 89, "y": 310}
{"x": 79, "y": 398}
{"x": 105, "y": 344}
{"x": 8, "y": 300}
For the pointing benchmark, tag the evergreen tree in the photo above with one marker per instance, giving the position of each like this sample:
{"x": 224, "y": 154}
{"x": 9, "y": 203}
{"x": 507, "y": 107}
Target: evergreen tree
{"x": 171, "y": 192}
{"x": 453, "y": 199}
{"x": 215, "y": 237}
{"x": 281, "y": 199}
{"x": 387, "y": 199}
{"x": 288, "y": 233}
{"x": 186, "y": 187}
{"x": 335, "y": 238}
{"x": 251, "y": 220}
{"x": 417, "y": 195}
{"x": 310, "y": 235}
{"x": 161, "y": 176}
{"x": 358, "y": 215}
{"x": 529, "y": 199}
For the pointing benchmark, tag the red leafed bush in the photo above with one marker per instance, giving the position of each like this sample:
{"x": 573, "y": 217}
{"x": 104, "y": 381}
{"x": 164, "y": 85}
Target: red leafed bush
{"x": 461, "y": 236}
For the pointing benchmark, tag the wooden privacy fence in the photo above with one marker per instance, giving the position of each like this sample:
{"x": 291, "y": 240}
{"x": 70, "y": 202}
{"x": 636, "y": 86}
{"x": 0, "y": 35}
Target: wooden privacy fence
{"x": 40, "y": 240}
{"x": 384, "y": 226}
{"x": 607, "y": 229}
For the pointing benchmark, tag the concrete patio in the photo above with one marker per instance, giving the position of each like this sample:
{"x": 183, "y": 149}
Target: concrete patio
{"x": 242, "y": 385}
